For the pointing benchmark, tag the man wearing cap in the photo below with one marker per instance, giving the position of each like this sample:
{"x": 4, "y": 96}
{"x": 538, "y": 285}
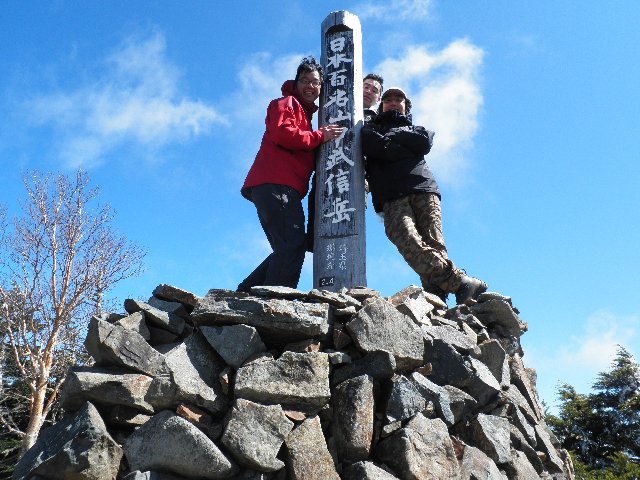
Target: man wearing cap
{"x": 404, "y": 189}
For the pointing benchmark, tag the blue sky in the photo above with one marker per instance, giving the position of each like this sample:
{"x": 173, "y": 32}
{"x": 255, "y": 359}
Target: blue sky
{"x": 536, "y": 151}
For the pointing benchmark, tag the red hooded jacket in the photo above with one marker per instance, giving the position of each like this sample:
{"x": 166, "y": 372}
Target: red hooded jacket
{"x": 286, "y": 154}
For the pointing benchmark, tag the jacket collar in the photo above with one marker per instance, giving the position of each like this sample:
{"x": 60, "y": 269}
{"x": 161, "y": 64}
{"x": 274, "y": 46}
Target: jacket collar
{"x": 394, "y": 117}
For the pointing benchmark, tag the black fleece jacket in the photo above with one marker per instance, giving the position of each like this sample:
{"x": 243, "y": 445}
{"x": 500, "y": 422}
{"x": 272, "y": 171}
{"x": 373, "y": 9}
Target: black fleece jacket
{"x": 395, "y": 151}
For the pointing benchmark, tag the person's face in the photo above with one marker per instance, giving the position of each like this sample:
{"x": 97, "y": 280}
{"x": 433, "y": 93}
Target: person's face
{"x": 371, "y": 92}
{"x": 394, "y": 102}
{"x": 308, "y": 86}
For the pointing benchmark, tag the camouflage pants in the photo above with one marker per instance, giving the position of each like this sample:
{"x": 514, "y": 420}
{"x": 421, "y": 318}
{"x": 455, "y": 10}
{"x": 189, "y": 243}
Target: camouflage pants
{"x": 414, "y": 225}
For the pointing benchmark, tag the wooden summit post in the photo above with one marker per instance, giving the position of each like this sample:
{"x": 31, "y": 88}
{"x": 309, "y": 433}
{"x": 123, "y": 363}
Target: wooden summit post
{"x": 339, "y": 258}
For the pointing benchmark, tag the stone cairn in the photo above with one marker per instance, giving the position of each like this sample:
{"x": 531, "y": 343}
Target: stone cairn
{"x": 281, "y": 384}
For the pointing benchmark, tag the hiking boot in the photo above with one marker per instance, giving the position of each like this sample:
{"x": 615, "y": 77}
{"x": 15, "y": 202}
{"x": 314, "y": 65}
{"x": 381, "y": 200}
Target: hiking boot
{"x": 470, "y": 288}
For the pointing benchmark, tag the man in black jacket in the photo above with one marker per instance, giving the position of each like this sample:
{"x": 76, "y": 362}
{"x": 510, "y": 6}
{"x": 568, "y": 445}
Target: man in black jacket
{"x": 404, "y": 189}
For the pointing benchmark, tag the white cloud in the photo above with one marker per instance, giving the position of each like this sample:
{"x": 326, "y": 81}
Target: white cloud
{"x": 581, "y": 357}
{"x": 260, "y": 78}
{"x": 394, "y": 10}
{"x": 596, "y": 348}
{"x": 444, "y": 88}
{"x": 136, "y": 101}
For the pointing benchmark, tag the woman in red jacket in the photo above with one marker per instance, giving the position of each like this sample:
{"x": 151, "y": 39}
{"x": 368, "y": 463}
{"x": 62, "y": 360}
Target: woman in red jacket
{"x": 279, "y": 177}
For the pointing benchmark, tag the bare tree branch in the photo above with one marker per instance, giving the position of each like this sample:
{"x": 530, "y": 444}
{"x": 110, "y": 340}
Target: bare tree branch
{"x": 55, "y": 260}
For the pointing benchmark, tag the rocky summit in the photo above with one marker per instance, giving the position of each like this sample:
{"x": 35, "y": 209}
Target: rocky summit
{"x": 282, "y": 384}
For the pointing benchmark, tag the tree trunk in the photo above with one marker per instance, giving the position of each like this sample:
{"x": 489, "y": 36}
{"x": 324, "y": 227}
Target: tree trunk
{"x": 36, "y": 419}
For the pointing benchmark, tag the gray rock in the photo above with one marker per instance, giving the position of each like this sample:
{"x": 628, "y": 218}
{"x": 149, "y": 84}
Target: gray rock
{"x": 112, "y": 345}
{"x": 336, "y": 299}
{"x": 436, "y": 394}
{"x": 379, "y": 326}
{"x": 170, "y": 443}
{"x": 404, "y": 401}
{"x": 253, "y": 475}
{"x": 486, "y": 296}
{"x": 303, "y": 346}
{"x": 110, "y": 317}
{"x": 553, "y": 462}
{"x": 440, "y": 321}
{"x": 135, "y": 322}
{"x": 286, "y": 293}
{"x": 482, "y": 385}
{"x": 378, "y": 365}
{"x": 522, "y": 424}
{"x": 499, "y": 314}
{"x": 463, "y": 406}
{"x": 175, "y": 308}
{"x": 121, "y": 416}
{"x": 491, "y": 434}
{"x": 449, "y": 367}
{"x": 520, "y": 443}
{"x": 437, "y": 302}
{"x": 411, "y": 301}
{"x": 340, "y": 337}
{"x": 254, "y": 434}
{"x": 79, "y": 447}
{"x": 520, "y": 377}
{"x": 422, "y": 449}
{"x": 338, "y": 358}
{"x": 105, "y": 386}
{"x": 138, "y": 475}
{"x": 155, "y": 317}
{"x": 362, "y": 293}
{"x": 296, "y": 380}
{"x": 514, "y": 396}
{"x": 495, "y": 358}
{"x": 353, "y": 416}
{"x": 234, "y": 343}
{"x": 175, "y": 294}
{"x": 160, "y": 336}
{"x": 519, "y": 468}
{"x": 193, "y": 377}
{"x": 308, "y": 456}
{"x": 366, "y": 471}
{"x": 278, "y": 321}
{"x": 475, "y": 465}
{"x": 344, "y": 312}
{"x": 389, "y": 428}
{"x": 469, "y": 332}
{"x": 453, "y": 337}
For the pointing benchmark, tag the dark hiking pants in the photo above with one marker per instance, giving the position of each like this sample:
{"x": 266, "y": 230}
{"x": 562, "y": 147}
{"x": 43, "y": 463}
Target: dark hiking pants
{"x": 282, "y": 218}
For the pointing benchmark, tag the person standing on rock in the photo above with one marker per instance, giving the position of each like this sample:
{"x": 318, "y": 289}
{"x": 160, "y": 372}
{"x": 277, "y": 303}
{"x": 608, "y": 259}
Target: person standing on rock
{"x": 405, "y": 191}
{"x": 278, "y": 180}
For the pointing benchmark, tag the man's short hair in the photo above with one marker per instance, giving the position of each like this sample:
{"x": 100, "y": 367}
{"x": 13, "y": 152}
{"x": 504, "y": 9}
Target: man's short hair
{"x": 309, "y": 64}
{"x": 376, "y": 77}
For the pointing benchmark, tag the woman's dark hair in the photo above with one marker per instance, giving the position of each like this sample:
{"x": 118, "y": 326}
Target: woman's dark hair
{"x": 309, "y": 64}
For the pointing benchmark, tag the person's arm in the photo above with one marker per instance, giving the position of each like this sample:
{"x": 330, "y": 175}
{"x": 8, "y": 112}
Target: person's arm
{"x": 285, "y": 130}
{"x": 284, "y": 127}
{"x": 415, "y": 138}
{"x": 380, "y": 146}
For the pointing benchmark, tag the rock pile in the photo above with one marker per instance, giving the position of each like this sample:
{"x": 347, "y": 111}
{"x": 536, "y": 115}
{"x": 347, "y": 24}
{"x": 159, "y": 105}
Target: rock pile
{"x": 280, "y": 384}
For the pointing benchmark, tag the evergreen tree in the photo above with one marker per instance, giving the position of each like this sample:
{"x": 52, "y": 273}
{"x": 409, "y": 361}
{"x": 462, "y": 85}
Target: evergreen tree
{"x": 602, "y": 429}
